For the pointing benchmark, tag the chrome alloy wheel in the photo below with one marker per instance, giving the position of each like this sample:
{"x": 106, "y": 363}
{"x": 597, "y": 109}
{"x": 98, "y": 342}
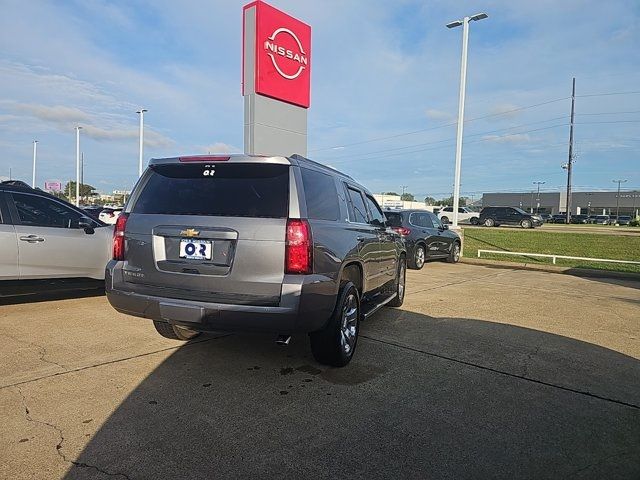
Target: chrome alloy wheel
{"x": 349, "y": 324}
{"x": 402, "y": 279}
{"x": 456, "y": 252}
{"x": 419, "y": 260}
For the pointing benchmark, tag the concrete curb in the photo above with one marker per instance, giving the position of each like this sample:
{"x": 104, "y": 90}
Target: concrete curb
{"x": 577, "y": 272}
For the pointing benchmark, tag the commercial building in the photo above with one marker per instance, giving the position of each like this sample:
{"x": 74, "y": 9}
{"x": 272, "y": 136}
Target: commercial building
{"x": 586, "y": 203}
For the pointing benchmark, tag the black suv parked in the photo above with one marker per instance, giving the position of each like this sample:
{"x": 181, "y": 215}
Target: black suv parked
{"x": 425, "y": 236}
{"x": 496, "y": 216}
{"x": 248, "y": 243}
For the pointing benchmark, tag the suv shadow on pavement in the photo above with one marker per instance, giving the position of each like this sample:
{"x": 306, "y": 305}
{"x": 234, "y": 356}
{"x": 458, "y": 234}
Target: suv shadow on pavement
{"x": 425, "y": 398}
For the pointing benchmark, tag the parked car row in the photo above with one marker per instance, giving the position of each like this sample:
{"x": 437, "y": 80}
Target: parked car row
{"x": 591, "y": 219}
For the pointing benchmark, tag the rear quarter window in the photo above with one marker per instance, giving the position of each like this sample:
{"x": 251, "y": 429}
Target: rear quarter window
{"x": 321, "y": 195}
{"x": 233, "y": 190}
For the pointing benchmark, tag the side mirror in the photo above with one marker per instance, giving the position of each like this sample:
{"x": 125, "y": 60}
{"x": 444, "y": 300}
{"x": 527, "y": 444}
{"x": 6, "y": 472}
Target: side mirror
{"x": 444, "y": 226}
{"x": 86, "y": 224}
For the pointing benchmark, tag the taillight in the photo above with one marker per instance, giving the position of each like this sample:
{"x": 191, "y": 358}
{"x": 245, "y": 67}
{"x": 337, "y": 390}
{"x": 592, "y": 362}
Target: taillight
{"x": 298, "y": 256}
{"x": 402, "y": 231}
{"x": 118, "y": 237}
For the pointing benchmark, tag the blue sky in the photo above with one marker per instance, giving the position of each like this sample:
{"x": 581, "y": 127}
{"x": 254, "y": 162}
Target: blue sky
{"x": 380, "y": 70}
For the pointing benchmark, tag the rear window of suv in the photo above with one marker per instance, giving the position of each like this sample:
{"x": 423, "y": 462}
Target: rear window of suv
{"x": 232, "y": 190}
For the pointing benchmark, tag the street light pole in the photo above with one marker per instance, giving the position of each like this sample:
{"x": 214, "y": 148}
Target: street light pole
{"x": 140, "y": 156}
{"x": 618, "y": 198}
{"x": 463, "y": 86}
{"x": 78, "y": 166}
{"x": 35, "y": 150}
{"x": 538, "y": 195}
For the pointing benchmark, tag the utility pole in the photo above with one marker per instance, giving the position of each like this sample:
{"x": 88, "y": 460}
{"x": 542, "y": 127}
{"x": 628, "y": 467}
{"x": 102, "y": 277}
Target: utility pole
{"x": 35, "y": 150}
{"x": 573, "y": 104}
{"x": 538, "y": 195}
{"x": 141, "y": 146}
{"x": 618, "y": 198}
{"x": 78, "y": 166}
{"x": 404, "y": 188}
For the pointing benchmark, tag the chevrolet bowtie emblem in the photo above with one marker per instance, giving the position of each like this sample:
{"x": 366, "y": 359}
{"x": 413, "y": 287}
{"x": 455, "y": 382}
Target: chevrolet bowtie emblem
{"x": 190, "y": 232}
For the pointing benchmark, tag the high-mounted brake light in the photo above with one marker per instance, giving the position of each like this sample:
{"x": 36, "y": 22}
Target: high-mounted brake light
{"x": 404, "y": 231}
{"x": 204, "y": 158}
{"x": 298, "y": 247}
{"x": 118, "y": 237}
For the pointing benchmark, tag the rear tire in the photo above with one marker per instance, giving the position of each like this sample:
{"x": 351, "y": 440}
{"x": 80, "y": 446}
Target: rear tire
{"x": 174, "y": 332}
{"x": 335, "y": 344}
{"x": 489, "y": 222}
{"x": 445, "y": 220}
{"x": 474, "y": 220}
{"x": 454, "y": 255}
{"x": 419, "y": 255}
{"x": 401, "y": 284}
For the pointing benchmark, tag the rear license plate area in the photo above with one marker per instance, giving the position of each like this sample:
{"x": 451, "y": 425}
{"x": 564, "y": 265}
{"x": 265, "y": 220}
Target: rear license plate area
{"x": 195, "y": 249}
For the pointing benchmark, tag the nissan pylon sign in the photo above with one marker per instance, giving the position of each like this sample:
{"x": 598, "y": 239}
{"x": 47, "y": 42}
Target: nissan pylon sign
{"x": 282, "y": 55}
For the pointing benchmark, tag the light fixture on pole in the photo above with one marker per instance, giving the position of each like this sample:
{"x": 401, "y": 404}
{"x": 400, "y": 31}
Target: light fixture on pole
{"x": 463, "y": 85}
{"x": 618, "y": 198}
{"x": 78, "y": 165}
{"x": 538, "y": 195}
{"x": 35, "y": 150}
{"x": 141, "y": 112}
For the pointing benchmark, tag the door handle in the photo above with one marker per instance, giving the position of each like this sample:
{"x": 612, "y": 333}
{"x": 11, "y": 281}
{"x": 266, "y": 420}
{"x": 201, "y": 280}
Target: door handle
{"x": 32, "y": 239}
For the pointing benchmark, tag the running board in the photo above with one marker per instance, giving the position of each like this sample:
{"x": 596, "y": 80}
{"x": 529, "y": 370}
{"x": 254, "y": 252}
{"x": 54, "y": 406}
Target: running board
{"x": 377, "y": 307}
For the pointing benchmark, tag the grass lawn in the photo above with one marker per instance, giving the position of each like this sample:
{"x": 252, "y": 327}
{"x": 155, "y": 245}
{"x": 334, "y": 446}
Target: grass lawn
{"x": 616, "y": 247}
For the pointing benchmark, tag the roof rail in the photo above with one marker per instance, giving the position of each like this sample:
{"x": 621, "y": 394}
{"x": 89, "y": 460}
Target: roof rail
{"x": 298, "y": 157}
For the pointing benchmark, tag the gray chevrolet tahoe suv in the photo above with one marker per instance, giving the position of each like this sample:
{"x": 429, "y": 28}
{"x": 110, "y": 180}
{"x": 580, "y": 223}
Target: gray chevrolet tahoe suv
{"x": 250, "y": 243}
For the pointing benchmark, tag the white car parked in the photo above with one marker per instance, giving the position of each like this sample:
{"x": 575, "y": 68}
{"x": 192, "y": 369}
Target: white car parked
{"x": 43, "y": 237}
{"x": 465, "y": 215}
{"x": 110, "y": 215}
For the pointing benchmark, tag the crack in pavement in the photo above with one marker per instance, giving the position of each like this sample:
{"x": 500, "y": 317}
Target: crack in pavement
{"x": 110, "y": 362}
{"x": 42, "y": 351}
{"x": 601, "y": 461}
{"x": 457, "y": 283}
{"x": 58, "y": 430}
{"x": 502, "y": 372}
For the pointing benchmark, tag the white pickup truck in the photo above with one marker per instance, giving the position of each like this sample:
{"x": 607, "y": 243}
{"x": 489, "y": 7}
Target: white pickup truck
{"x": 465, "y": 215}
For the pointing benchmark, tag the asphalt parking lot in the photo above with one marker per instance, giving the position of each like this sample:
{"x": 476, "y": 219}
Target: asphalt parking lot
{"x": 483, "y": 373}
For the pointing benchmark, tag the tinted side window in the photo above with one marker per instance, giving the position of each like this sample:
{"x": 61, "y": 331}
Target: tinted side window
{"x": 43, "y": 212}
{"x": 374, "y": 209}
{"x": 321, "y": 195}
{"x": 357, "y": 210}
{"x": 421, "y": 219}
{"x": 394, "y": 219}
{"x": 234, "y": 190}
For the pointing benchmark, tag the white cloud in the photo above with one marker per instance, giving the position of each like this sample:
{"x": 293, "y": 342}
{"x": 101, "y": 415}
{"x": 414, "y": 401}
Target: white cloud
{"x": 440, "y": 115}
{"x": 220, "y": 147}
{"x": 512, "y": 138}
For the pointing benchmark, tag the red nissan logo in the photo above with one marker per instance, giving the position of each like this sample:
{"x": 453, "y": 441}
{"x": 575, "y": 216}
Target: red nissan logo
{"x": 281, "y": 55}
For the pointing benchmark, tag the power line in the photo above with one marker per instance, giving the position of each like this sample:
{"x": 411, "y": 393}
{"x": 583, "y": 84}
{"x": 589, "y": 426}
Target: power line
{"x": 375, "y": 152}
{"x": 343, "y": 159}
{"x": 389, "y": 137}
{"x": 611, "y": 121}
{"x": 609, "y": 113}
{"x": 607, "y": 94}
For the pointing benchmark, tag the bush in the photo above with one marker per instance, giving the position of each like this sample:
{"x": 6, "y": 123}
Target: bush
{"x": 634, "y": 223}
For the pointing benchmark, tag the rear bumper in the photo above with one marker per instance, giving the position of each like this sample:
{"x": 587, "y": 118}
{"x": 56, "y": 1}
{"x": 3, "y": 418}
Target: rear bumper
{"x": 305, "y": 305}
